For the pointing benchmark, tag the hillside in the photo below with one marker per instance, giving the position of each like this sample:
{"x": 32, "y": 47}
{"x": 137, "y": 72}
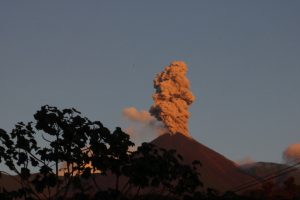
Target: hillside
{"x": 217, "y": 171}
{"x": 280, "y": 172}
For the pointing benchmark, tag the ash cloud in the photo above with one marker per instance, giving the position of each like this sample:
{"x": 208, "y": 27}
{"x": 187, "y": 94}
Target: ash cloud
{"x": 133, "y": 114}
{"x": 245, "y": 161}
{"x": 291, "y": 154}
{"x": 172, "y": 98}
{"x": 144, "y": 127}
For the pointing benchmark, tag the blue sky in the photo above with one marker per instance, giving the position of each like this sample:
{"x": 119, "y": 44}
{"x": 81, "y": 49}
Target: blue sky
{"x": 102, "y": 56}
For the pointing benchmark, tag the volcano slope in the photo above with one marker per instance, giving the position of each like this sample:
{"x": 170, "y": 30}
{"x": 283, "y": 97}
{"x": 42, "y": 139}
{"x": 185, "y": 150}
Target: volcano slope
{"x": 216, "y": 172}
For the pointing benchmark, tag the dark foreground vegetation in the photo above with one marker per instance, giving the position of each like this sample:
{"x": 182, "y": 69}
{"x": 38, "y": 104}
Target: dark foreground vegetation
{"x": 62, "y": 155}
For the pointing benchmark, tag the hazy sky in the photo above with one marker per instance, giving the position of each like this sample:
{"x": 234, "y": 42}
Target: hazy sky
{"x": 102, "y": 56}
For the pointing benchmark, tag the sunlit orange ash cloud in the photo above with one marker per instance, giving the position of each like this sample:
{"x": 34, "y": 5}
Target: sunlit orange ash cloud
{"x": 143, "y": 118}
{"x": 292, "y": 153}
{"x": 138, "y": 116}
{"x": 172, "y": 98}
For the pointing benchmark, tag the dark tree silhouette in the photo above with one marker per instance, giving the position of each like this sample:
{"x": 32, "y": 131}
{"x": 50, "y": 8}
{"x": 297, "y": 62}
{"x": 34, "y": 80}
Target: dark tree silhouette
{"x": 85, "y": 147}
{"x": 161, "y": 169}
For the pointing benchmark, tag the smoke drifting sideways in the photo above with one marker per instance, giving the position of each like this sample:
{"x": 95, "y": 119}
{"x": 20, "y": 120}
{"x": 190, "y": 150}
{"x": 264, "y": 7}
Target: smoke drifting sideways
{"x": 138, "y": 116}
{"x": 291, "y": 154}
{"x": 172, "y": 98}
{"x": 247, "y": 160}
{"x": 144, "y": 126}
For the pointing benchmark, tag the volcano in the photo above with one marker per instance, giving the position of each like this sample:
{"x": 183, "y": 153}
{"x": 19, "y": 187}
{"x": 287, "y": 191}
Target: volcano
{"x": 216, "y": 172}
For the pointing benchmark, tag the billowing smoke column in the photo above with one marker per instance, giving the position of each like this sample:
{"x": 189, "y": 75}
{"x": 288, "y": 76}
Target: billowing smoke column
{"x": 173, "y": 98}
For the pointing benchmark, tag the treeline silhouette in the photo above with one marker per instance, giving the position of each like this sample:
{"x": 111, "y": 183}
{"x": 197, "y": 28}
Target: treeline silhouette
{"x": 62, "y": 155}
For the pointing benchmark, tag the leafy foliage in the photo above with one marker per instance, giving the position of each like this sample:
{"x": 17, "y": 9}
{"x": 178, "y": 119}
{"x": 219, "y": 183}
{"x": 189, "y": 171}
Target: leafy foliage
{"x": 85, "y": 147}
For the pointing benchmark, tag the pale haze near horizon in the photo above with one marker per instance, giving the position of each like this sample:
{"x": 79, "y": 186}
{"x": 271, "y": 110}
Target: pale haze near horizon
{"x": 100, "y": 57}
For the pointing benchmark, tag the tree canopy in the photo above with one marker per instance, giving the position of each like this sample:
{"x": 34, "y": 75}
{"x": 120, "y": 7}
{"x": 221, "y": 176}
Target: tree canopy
{"x": 88, "y": 150}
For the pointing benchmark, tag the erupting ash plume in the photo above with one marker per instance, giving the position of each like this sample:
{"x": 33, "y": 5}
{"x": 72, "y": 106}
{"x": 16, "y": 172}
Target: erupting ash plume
{"x": 292, "y": 153}
{"x": 172, "y": 98}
